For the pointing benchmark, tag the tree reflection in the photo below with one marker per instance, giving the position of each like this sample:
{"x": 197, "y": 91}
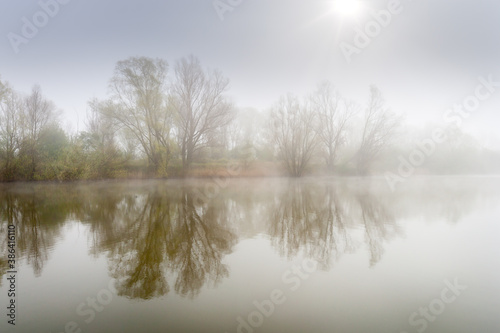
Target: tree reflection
{"x": 137, "y": 261}
{"x": 294, "y": 217}
{"x": 35, "y": 240}
{"x": 29, "y": 212}
{"x": 3, "y": 269}
{"x": 378, "y": 222}
{"x": 200, "y": 242}
{"x": 310, "y": 218}
{"x": 162, "y": 235}
{"x": 334, "y": 234}
{"x": 7, "y": 216}
{"x": 158, "y": 238}
{"x": 322, "y": 221}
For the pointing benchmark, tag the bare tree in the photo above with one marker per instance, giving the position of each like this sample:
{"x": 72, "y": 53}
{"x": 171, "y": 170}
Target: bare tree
{"x": 99, "y": 141}
{"x": 3, "y": 90}
{"x": 379, "y": 125}
{"x": 334, "y": 114}
{"x": 101, "y": 130}
{"x": 140, "y": 105}
{"x": 11, "y": 110}
{"x": 38, "y": 113}
{"x": 293, "y": 132}
{"x": 202, "y": 108}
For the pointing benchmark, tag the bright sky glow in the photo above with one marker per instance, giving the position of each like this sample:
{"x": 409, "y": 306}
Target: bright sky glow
{"x": 347, "y": 8}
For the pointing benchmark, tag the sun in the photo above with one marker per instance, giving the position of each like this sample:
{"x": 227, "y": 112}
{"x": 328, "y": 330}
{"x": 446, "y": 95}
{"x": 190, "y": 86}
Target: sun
{"x": 347, "y": 8}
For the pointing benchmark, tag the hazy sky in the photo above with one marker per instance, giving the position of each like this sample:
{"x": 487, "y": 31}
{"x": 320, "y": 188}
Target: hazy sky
{"x": 426, "y": 59}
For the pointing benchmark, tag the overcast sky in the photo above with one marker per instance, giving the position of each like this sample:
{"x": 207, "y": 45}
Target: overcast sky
{"x": 428, "y": 58}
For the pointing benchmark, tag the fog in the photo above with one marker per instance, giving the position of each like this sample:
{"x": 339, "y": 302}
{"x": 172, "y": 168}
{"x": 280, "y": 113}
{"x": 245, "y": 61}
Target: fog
{"x": 432, "y": 76}
{"x": 164, "y": 163}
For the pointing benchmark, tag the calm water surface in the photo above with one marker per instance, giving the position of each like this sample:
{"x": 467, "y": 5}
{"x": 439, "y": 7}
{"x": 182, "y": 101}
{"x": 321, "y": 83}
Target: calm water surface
{"x": 270, "y": 255}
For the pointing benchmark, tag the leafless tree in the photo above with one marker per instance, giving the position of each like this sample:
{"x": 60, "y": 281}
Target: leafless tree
{"x": 38, "y": 114}
{"x": 11, "y": 110}
{"x": 202, "y": 109}
{"x": 293, "y": 133}
{"x": 140, "y": 105}
{"x": 379, "y": 126}
{"x": 99, "y": 141}
{"x": 100, "y": 129}
{"x": 334, "y": 114}
{"x": 3, "y": 89}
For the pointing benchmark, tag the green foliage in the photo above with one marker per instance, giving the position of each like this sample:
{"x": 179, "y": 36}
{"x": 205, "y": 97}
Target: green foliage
{"x": 72, "y": 164}
{"x": 53, "y": 142}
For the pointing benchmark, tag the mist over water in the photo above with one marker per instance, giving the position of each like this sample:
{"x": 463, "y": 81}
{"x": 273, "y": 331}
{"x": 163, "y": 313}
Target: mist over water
{"x": 158, "y": 255}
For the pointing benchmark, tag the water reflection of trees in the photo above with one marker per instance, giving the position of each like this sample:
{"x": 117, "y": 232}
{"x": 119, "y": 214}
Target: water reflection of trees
{"x": 308, "y": 218}
{"x": 157, "y": 237}
{"x": 378, "y": 222}
{"x": 137, "y": 259}
{"x": 322, "y": 220}
{"x": 161, "y": 235}
{"x": 150, "y": 236}
{"x": 201, "y": 239}
{"x": 38, "y": 217}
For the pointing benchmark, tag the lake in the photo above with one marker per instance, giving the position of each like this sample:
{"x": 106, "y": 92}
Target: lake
{"x": 253, "y": 255}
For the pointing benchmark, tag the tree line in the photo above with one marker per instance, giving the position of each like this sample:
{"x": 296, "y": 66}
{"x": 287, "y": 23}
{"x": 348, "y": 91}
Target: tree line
{"x": 157, "y": 124}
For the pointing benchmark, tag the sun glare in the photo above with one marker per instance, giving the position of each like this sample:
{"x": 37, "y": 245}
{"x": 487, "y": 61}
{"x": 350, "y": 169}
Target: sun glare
{"x": 347, "y": 8}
